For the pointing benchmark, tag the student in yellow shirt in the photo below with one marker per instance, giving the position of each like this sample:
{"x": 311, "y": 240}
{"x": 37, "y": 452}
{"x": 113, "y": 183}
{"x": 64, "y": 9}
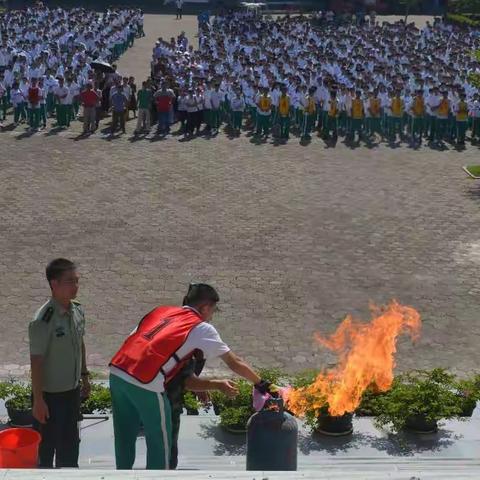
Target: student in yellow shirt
{"x": 264, "y": 112}
{"x": 417, "y": 111}
{"x": 310, "y": 113}
{"x": 442, "y": 113}
{"x": 333, "y": 111}
{"x": 461, "y": 118}
{"x": 358, "y": 116}
{"x": 375, "y": 111}
{"x": 396, "y": 116}
{"x": 284, "y": 105}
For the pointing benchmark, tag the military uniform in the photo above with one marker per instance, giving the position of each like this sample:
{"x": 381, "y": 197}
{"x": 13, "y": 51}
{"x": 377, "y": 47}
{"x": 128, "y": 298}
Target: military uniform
{"x": 57, "y": 334}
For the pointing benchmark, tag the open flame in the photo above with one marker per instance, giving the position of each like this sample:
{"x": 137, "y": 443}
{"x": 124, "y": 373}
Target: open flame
{"x": 366, "y": 358}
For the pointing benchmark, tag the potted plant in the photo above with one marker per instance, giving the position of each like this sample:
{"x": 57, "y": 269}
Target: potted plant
{"x": 468, "y": 393}
{"x": 316, "y": 409}
{"x": 18, "y": 402}
{"x": 418, "y": 400}
{"x": 99, "y": 401}
{"x": 369, "y": 405}
{"x": 235, "y": 412}
{"x": 191, "y": 403}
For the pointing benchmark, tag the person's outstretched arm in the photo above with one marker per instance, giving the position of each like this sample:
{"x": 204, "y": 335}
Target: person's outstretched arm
{"x": 240, "y": 367}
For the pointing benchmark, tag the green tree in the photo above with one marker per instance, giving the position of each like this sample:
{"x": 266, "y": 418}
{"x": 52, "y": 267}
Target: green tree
{"x": 474, "y": 78}
{"x": 464, "y": 6}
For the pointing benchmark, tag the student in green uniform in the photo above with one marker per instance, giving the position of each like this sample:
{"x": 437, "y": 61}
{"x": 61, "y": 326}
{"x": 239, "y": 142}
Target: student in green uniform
{"x": 147, "y": 362}
{"x": 58, "y": 366}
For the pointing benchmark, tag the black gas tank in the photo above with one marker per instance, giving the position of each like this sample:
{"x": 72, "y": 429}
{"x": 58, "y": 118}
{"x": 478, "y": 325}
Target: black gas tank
{"x": 272, "y": 438}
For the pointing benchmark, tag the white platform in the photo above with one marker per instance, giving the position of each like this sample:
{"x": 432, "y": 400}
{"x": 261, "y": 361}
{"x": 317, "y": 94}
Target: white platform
{"x": 208, "y": 452}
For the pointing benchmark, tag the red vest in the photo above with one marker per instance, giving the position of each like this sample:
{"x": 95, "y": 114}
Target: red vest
{"x": 157, "y": 339}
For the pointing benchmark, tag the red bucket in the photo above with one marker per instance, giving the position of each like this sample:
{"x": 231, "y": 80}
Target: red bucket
{"x": 19, "y": 448}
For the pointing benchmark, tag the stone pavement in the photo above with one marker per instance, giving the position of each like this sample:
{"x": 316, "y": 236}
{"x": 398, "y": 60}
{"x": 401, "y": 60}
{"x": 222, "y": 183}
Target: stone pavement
{"x": 293, "y": 237}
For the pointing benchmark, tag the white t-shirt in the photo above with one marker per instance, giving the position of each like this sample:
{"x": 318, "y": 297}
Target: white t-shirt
{"x": 203, "y": 337}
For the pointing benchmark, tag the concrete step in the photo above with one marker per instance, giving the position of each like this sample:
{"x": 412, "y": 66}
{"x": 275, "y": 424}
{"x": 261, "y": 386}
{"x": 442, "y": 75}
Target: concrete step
{"x": 460, "y": 470}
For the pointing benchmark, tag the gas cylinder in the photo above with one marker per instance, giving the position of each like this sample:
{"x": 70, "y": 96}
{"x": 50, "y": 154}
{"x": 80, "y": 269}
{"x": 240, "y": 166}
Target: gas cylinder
{"x": 272, "y": 437}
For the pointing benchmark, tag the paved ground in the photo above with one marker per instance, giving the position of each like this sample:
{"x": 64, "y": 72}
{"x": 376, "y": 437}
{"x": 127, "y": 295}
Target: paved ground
{"x": 293, "y": 237}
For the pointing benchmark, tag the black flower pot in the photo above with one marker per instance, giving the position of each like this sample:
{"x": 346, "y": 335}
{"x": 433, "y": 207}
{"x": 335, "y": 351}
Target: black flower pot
{"x": 20, "y": 418}
{"x": 419, "y": 424}
{"x": 335, "y": 426}
{"x": 468, "y": 406}
{"x": 192, "y": 411}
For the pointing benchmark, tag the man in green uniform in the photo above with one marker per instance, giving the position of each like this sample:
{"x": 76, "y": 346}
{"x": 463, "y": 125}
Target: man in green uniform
{"x": 59, "y": 371}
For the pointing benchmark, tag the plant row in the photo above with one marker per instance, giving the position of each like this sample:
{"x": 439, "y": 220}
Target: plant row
{"x": 418, "y": 400}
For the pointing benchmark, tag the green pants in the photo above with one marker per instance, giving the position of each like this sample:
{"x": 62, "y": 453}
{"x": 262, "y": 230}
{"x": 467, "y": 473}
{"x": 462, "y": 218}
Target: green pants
{"x": 395, "y": 125}
{"x": 76, "y": 108}
{"x": 34, "y": 117}
{"x": 237, "y": 120}
{"x": 441, "y": 128}
{"x": 461, "y": 131}
{"x": 417, "y": 126}
{"x": 374, "y": 125}
{"x": 308, "y": 124}
{"x": 263, "y": 124}
{"x": 356, "y": 125}
{"x": 284, "y": 126}
{"x": 50, "y": 103}
{"x": 476, "y": 127}
{"x": 63, "y": 119}
{"x": 4, "y": 106}
{"x": 43, "y": 114}
{"x": 330, "y": 125}
{"x": 133, "y": 406}
{"x": 19, "y": 112}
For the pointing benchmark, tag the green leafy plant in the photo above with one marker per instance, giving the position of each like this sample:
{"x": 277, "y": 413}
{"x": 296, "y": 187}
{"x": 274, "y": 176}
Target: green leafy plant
{"x": 17, "y": 395}
{"x": 99, "y": 401}
{"x": 468, "y": 394}
{"x": 191, "y": 402}
{"x": 236, "y": 418}
{"x": 303, "y": 378}
{"x": 464, "y": 6}
{"x": 462, "y": 20}
{"x": 429, "y": 395}
{"x": 369, "y": 405}
{"x": 272, "y": 375}
{"x": 234, "y": 412}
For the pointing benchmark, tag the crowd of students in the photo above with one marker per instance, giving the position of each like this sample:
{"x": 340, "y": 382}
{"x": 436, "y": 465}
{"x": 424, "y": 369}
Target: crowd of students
{"x": 46, "y": 56}
{"x": 364, "y": 79}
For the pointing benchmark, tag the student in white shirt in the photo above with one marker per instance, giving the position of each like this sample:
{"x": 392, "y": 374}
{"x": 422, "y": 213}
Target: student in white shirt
{"x": 62, "y": 93}
{"x": 238, "y": 107}
{"x": 18, "y": 101}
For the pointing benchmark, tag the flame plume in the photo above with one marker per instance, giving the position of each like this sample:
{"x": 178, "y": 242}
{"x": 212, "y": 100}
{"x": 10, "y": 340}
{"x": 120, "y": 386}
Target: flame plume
{"x": 366, "y": 358}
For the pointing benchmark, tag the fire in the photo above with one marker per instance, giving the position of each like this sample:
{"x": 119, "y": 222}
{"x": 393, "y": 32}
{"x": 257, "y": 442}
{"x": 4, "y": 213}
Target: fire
{"x": 366, "y": 358}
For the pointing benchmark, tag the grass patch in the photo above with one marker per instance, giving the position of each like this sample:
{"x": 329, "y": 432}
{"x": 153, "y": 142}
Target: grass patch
{"x": 473, "y": 170}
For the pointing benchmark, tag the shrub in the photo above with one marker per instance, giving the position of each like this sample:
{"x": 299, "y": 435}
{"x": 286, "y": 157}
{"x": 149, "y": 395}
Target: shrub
{"x": 17, "y": 395}
{"x": 191, "y": 402}
{"x": 462, "y": 20}
{"x": 428, "y": 394}
{"x": 369, "y": 405}
{"x": 99, "y": 401}
{"x": 468, "y": 393}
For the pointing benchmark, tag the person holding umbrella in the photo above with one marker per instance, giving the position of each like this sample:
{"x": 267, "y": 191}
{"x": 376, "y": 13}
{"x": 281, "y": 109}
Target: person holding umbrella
{"x": 159, "y": 348}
